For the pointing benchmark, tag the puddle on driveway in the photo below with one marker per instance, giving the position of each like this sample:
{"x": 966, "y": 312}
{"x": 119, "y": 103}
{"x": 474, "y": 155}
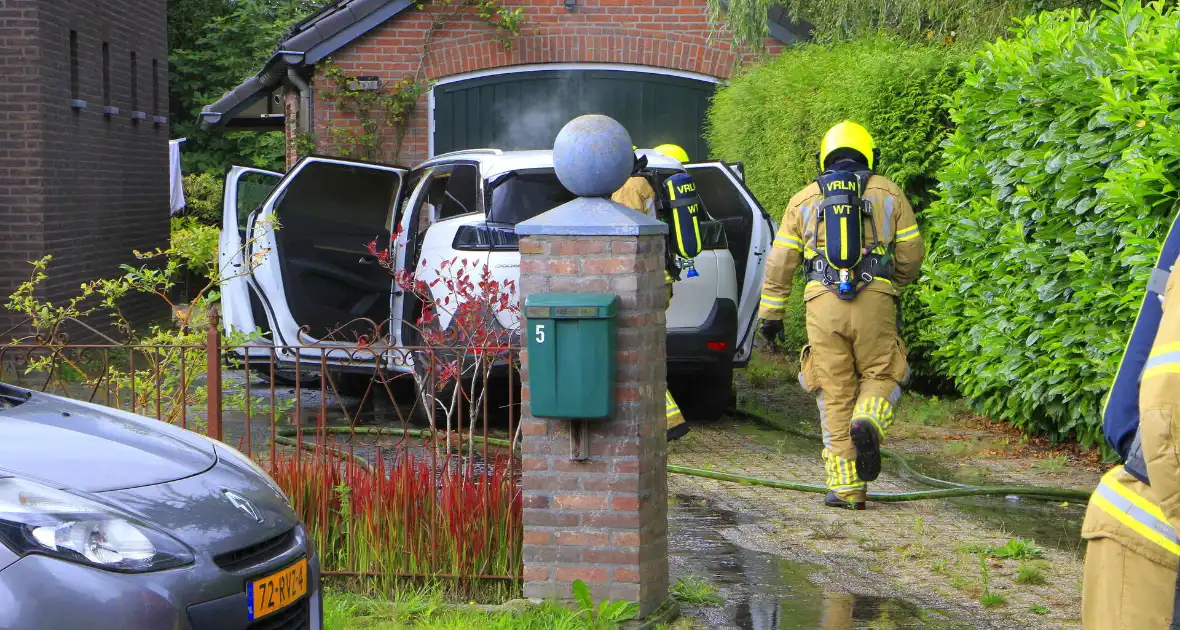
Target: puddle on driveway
{"x": 767, "y": 592}
{"x": 1046, "y": 522}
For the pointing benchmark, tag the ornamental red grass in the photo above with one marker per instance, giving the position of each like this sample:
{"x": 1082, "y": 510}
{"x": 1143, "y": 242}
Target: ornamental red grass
{"x": 406, "y": 519}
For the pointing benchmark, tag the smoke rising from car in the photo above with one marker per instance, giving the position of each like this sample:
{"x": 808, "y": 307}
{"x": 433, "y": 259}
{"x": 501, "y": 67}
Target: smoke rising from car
{"x": 534, "y": 125}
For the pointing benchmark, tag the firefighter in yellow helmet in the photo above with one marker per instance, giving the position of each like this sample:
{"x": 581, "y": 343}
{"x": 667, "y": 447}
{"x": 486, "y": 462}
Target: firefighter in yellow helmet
{"x": 855, "y": 234}
{"x": 638, "y": 195}
{"x": 673, "y": 151}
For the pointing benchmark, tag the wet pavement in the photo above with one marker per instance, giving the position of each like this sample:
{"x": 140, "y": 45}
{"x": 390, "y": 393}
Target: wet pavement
{"x": 763, "y": 591}
{"x": 913, "y": 564}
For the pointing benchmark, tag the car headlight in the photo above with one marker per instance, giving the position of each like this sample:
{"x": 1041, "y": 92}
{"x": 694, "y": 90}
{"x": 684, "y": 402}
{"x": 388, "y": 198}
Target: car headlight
{"x": 233, "y": 453}
{"x": 39, "y": 519}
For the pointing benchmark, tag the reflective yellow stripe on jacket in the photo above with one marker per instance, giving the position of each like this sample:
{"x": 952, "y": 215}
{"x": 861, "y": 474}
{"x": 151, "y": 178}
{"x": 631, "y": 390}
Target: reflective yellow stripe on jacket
{"x": 1164, "y": 359}
{"x": 773, "y": 303}
{"x": 788, "y": 241}
{"x": 907, "y": 234}
{"x": 1135, "y": 512}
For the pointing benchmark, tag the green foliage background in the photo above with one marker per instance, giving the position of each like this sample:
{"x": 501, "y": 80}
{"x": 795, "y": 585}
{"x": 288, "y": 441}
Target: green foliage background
{"x": 1058, "y": 185}
{"x": 915, "y": 20}
{"x": 215, "y": 44}
{"x": 773, "y": 115}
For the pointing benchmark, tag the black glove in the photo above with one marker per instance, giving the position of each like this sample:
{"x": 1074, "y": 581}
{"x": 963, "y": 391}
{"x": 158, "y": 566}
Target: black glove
{"x": 771, "y": 330}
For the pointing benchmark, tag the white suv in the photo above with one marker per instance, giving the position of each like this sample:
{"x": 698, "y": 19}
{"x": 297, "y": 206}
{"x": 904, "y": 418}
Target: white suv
{"x": 315, "y": 274}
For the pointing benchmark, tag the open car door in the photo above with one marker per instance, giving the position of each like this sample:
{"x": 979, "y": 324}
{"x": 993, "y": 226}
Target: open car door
{"x": 245, "y": 190}
{"x": 319, "y": 283}
{"x": 750, "y": 232}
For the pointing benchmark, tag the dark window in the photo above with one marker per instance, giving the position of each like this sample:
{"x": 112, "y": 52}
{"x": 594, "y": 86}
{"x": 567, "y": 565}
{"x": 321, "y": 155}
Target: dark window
{"x": 106, "y": 73}
{"x": 74, "y": 64}
{"x": 155, "y": 87}
{"x": 341, "y": 193}
{"x": 253, "y": 189}
{"x": 526, "y": 195}
{"x": 462, "y": 193}
{"x": 134, "y": 83}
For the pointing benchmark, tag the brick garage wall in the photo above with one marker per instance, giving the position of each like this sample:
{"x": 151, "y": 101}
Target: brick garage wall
{"x": 21, "y": 175}
{"x": 671, "y": 34}
{"x": 96, "y": 186}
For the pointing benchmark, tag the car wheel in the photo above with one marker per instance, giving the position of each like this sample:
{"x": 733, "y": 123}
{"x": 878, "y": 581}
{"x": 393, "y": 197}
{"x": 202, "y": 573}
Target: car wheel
{"x": 704, "y": 397}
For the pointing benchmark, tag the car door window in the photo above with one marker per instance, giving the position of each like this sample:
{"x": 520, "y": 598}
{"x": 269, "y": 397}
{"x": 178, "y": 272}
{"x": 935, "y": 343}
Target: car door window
{"x": 462, "y": 192}
{"x": 253, "y": 189}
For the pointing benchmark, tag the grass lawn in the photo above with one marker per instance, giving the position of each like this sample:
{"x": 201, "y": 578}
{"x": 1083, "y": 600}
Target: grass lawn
{"x": 412, "y": 611}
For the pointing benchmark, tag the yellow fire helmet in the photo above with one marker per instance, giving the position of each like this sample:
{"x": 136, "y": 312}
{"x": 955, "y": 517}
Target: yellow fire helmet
{"x": 847, "y": 135}
{"x": 674, "y": 152}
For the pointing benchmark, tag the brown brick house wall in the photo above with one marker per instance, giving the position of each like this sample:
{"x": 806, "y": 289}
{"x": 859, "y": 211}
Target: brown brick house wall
{"x": 79, "y": 184}
{"x": 669, "y": 34}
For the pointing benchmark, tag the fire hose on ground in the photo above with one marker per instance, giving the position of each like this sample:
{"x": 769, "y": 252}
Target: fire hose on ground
{"x": 943, "y": 489}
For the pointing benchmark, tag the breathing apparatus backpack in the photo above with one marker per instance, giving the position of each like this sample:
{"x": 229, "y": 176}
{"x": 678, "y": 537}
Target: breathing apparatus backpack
{"x": 684, "y": 215}
{"x": 847, "y": 263}
{"x": 1120, "y": 414}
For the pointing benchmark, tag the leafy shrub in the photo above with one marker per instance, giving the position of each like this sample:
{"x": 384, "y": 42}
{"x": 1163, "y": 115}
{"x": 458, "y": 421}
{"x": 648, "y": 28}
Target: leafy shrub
{"x": 773, "y": 117}
{"x": 203, "y": 197}
{"x": 195, "y": 245}
{"x": 1057, "y": 187}
{"x": 918, "y": 20}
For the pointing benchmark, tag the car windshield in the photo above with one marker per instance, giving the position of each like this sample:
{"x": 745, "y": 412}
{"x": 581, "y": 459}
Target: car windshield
{"x": 525, "y": 195}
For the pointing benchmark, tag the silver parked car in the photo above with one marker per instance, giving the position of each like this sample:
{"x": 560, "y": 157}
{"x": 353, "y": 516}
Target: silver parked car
{"x": 113, "y": 520}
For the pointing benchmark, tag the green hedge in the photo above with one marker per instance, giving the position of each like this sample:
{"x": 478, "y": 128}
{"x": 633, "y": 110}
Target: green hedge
{"x": 1057, "y": 187}
{"x": 773, "y": 116}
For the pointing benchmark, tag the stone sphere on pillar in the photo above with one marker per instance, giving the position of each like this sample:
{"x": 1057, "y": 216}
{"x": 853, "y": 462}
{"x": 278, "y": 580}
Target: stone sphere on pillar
{"x": 593, "y": 156}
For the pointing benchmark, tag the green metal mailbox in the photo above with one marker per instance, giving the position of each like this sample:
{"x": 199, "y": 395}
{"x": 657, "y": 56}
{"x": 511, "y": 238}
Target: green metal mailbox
{"x": 571, "y": 344}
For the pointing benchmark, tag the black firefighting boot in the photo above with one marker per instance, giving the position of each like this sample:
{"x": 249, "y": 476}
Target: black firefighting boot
{"x": 834, "y": 500}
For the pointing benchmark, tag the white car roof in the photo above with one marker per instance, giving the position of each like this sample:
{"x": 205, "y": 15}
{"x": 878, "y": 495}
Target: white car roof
{"x": 493, "y": 162}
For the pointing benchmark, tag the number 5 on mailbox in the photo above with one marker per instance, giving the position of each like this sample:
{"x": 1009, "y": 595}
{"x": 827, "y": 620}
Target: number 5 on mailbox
{"x": 571, "y": 354}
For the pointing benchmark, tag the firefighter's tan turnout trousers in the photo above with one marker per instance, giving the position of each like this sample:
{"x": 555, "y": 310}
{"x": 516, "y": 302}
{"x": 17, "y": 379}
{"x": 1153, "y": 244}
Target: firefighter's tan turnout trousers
{"x": 855, "y": 364}
{"x": 638, "y": 195}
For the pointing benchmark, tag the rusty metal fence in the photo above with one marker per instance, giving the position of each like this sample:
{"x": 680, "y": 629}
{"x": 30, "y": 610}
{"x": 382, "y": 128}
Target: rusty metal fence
{"x": 402, "y": 461}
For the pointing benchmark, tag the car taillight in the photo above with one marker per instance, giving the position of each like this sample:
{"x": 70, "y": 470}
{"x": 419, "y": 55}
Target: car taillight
{"x": 486, "y": 237}
{"x": 717, "y": 346}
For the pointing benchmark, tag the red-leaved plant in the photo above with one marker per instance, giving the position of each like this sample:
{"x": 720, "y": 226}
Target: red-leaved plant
{"x": 408, "y": 518}
{"x": 461, "y": 335}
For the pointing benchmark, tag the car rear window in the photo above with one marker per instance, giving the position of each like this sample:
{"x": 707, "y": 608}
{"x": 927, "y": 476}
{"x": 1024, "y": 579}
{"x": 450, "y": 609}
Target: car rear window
{"x": 526, "y": 195}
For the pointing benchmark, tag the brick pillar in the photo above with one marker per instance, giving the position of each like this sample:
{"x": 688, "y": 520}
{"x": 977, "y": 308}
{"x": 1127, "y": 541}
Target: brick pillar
{"x": 605, "y": 520}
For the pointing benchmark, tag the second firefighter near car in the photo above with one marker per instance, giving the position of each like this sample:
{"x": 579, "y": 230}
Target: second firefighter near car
{"x": 856, "y": 236}
{"x": 682, "y": 215}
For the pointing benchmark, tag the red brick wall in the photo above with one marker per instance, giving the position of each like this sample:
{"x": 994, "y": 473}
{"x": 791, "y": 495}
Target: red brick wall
{"x": 85, "y": 187}
{"x": 672, "y": 34}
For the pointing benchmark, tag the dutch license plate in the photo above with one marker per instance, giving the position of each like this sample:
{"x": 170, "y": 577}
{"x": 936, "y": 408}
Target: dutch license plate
{"x": 277, "y": 590}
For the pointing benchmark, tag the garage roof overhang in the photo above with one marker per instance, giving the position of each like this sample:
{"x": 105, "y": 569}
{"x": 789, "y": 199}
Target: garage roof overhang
{"x": 253, "y": 104}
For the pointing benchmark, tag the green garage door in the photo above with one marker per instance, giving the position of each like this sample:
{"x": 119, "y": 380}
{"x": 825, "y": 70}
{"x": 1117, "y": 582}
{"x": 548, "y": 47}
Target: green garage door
{"x": 525, "y": 110}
